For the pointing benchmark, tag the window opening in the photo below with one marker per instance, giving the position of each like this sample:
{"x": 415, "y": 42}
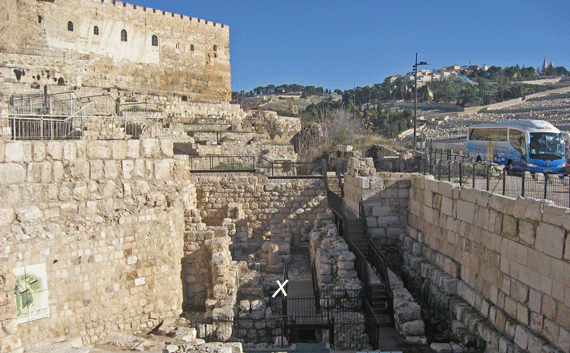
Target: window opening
{"x": 154, "y": 40}
{"x": 96, "y": 30}
{"x": 177, "y": 45}
{"x": 39, "y": 19}
{"x": 215, "y": 47}
{"x": 70, "y": 26}
{"x": 123, "y": 35}
{"x": 191, "y": 47}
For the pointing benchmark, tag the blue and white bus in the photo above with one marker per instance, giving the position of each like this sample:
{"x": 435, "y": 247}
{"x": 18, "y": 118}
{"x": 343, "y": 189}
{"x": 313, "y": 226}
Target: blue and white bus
{"x": 533, "y": 145}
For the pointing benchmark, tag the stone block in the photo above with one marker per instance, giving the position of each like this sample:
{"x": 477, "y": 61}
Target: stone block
{"x": 34, "y": 173}
{"x": 54, "y": 150}
{"x": 96, "y": 167}
{"x": 80, "y": 169}
{"x": 98, "y": 150}
{"x": 111, "y": 169}
{"x": 14, "y": 151}
{"x": 527, "y": 232}
{"x": 12, "y": 173}
{"x": 441, "y": 347}
{"x": 69, "y": 151}
{"x": 29, "y": 214}
{"x": 133, "y": 149}
{"x": 128, "y": 168}
{"x": 39, "y": 151}
{"x": 465, "y": 210}
{"x": 119, "y": 149}
{"x": 58, "y": 171}
{"x": 413, "y": 328}
{"x": 371, "y": 222}
{"x": 550, "y": 240}
{"x": 521, "y": 336}
{"x": 150, "y": 148}
{"x": 377, "y": 232}
{"x": 563, "y": 340}
{"x": 529, "y": 209}
{"x": 167, "y": 147}
{"x": 7, "y": 215}
{"x": 380, "y": 211}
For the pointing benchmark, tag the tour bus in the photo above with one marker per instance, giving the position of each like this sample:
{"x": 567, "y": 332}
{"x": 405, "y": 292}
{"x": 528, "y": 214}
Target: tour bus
{"x": 533, "y": 145}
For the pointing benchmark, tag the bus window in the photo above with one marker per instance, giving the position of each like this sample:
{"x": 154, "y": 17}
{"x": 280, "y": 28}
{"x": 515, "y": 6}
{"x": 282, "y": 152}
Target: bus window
{"x": 478, "y": 134}
{"x": 488, "y": 134}
{"x": 517, "y": 140}
{"x": 498, "y": 134}
{"x": 546, "y": 146}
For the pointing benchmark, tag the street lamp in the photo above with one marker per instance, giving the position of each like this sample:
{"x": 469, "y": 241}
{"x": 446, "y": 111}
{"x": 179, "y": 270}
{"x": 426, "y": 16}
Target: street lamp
{"x": 416, "y": 94}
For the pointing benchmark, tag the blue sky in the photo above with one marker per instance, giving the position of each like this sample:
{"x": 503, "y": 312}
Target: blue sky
{"x": 339, "y": 44}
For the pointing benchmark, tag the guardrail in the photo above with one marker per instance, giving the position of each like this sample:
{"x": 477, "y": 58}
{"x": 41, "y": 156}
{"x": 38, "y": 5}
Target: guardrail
{"x": 497, "y": 179}
{"x": 376, "y": 258}
{"x": 251, "y": 163}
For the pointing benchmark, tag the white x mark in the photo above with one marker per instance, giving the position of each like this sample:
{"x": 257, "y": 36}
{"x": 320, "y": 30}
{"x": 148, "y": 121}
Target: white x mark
{"x": 281, "y": 288}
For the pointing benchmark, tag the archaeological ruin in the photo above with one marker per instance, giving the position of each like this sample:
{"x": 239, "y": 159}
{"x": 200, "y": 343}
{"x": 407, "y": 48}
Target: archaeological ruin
{"x": 137, "y": 201}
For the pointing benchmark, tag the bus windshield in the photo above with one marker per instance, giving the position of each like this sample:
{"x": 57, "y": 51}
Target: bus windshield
{"x": 547, "y": 146}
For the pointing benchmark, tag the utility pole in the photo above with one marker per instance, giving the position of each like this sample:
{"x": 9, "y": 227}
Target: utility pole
{"x": 416, "y": 94}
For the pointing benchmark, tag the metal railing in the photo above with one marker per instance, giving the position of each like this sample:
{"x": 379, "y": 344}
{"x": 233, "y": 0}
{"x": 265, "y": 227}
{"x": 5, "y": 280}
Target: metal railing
{"x": 376, "y": 258}
{"x": 223, "y": 163}
{"x": 68, "y": 116}
{"x": 497, "y": 179}
{"x": 251, "y": 163}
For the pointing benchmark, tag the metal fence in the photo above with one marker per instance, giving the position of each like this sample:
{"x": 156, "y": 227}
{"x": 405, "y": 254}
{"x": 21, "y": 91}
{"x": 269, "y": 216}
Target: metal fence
{"x": 276, "y": 169}
{"x": 68, "y": 116}
{"x": 497, "y": 179}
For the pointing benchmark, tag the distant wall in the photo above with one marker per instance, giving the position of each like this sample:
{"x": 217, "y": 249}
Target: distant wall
{"x": 106, "y": 218}
{"x": 191, "y": 56}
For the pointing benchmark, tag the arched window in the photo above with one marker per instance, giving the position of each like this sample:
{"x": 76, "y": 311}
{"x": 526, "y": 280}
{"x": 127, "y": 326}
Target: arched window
{"x": 191, "y": 47}
{"x": 96, "y": 30}
{"x": 123, "y": 35}
{"x": 215, "y": 47}
{"x": 154, "y": 40}
{"x": 70, "y": 26}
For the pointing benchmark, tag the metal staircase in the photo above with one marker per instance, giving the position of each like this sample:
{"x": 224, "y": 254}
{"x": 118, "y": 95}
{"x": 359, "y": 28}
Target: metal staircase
{"x": 370, "y": 262}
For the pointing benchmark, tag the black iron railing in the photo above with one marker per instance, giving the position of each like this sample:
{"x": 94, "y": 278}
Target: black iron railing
{"x": 498, "y": 179}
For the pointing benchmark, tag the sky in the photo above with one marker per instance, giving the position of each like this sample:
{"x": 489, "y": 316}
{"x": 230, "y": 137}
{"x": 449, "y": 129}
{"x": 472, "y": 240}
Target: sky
{"x": 343, "y": 44}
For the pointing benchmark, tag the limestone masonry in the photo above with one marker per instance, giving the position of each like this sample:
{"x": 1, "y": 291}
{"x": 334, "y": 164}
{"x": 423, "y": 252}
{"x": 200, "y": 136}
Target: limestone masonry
{"x": 112, "y": 44}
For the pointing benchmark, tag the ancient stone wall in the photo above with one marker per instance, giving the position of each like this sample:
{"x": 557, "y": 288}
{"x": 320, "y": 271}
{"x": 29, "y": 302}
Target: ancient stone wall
{"x": 283, "y": 210}
{"x": 106, "y": 221}
{"x": 500, "y": 264}
{"x": 111, "y": 44}
{"x": 384, "y": 196}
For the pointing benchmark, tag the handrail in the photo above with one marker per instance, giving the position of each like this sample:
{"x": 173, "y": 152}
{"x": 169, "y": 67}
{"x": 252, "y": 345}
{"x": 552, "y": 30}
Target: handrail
{"x": 378, "y": 260}
{"x": 316, "y": 289}
{"x": 362, "y": 263}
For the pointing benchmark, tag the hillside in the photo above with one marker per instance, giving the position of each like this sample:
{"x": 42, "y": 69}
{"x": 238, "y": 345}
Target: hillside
{"x": 553, "y": 107}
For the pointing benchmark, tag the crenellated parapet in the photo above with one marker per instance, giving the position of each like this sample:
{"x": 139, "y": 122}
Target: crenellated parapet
{"x": 114, "y": 44}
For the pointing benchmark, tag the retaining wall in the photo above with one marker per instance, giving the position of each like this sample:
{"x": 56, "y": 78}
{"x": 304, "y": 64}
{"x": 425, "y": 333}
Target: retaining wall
{"x": 500, "y": 265}
{"x": 106, "y": 219}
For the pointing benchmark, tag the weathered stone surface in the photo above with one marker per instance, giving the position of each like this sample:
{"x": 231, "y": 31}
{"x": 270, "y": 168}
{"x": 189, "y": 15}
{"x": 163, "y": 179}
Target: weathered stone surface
{"x": 12, "y": 173}
{"x": 14, "y": 151}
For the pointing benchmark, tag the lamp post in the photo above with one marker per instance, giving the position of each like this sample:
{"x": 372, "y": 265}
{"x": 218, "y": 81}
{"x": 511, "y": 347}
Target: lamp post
{"x": 416, "y": 94}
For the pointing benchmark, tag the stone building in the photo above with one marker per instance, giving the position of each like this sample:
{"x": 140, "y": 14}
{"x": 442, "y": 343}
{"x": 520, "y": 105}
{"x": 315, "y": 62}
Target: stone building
{"x": 112, "y": 44}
